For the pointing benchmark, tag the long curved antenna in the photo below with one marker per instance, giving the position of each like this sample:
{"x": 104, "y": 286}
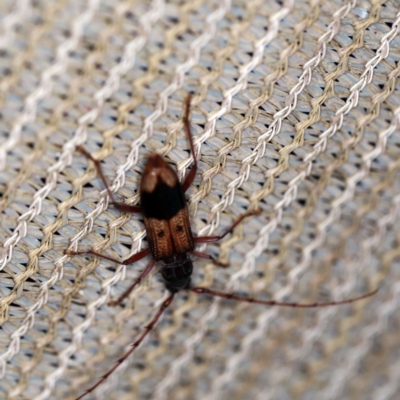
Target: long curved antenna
{"x": 202, "y": 290}
{"x": 146, "y": 331}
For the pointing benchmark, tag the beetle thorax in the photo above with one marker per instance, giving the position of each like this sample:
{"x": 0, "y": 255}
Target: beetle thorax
{"x": 176, "y": 272}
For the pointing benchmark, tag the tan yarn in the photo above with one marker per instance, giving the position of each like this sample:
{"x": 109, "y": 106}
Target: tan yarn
{"x": 295, "y": 109}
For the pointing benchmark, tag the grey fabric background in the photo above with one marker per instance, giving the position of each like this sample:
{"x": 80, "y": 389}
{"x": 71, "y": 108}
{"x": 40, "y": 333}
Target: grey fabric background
{"x": 296, "y": 109}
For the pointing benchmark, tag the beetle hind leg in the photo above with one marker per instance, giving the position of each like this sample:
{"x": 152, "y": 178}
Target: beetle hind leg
{"x": 119, "y": 206}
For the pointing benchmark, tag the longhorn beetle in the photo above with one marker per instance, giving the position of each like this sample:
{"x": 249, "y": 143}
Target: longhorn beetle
{"x": 166, "y": 219}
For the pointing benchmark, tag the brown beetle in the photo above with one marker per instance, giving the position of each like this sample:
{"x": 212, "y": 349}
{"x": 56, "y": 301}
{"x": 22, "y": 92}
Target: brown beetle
{"x": 166, "y": 219}
{"x": 171, "y": 242}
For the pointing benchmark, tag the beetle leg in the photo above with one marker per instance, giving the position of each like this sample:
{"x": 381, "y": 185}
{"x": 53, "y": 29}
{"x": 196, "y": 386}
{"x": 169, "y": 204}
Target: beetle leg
{"x": 119, "y": 206}
{"x": 211, "y": 239}
{"x": 209, "y": 257}
{"x": 136, "y": 257}
{"x": 192, "y": 173}
{"x": 136, "y": 282}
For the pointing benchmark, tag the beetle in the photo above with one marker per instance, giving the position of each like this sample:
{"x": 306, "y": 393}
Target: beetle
{"x": 170, "y": 238}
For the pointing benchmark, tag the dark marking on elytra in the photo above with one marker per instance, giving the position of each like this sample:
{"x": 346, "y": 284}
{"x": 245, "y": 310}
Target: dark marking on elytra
{"x": 164, "y": 202}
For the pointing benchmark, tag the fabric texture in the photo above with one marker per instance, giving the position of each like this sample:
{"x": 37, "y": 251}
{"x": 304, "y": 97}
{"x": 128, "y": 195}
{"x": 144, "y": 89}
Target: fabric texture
{"x": 295, "y": 109}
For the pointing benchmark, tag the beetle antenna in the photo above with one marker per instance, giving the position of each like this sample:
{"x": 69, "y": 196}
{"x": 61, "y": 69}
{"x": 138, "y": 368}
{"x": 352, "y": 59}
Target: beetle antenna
{"x": 146, "y": 331}
{"x": 202, "y": 290}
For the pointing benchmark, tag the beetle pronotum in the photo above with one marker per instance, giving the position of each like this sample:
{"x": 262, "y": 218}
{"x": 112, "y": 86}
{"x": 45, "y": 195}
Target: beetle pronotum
{"x": 166, "y": 219}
